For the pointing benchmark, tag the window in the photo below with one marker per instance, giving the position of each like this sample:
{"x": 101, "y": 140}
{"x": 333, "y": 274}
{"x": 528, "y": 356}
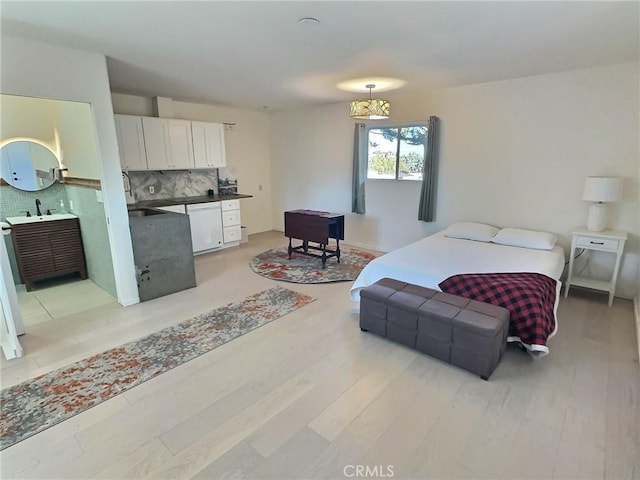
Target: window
{"x": 396, "y": 153}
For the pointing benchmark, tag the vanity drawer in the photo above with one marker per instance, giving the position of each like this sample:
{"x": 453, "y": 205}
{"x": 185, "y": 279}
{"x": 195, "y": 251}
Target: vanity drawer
{"x": 230, "y": 205}
{"x": 604, "y": 244}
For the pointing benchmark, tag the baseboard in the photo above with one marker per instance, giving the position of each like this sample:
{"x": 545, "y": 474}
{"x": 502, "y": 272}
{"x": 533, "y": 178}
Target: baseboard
{"x": 362, "y": 245}
{"x": 127, "y": 302}
{"x": 636, "y": 310}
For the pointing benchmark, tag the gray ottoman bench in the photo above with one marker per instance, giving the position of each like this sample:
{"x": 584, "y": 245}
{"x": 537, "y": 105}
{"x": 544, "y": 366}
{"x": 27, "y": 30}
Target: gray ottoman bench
{"x": 463, "y": 332}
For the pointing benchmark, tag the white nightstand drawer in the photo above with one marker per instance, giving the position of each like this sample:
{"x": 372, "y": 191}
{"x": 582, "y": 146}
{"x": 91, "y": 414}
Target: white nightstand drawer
{"x": 604, "y": 244}
{"x": 230, "y": 205}
{"x": 231, "y": 234}
{"x": 231, "y": 218}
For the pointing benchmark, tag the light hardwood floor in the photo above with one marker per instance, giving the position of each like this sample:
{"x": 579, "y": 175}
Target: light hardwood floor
{"x": 309, "y": 395}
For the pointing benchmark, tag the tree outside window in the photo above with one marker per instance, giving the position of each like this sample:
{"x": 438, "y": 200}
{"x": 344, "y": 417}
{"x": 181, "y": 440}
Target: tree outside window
{"x": 396, "y": 153}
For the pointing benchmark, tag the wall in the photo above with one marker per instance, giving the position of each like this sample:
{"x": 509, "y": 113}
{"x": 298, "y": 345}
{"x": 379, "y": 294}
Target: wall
{"x": 41, "y": 70}
{"x": 95, "y": 238}
{"x": 512, "y": 153}
{"x": 247, "y": 149}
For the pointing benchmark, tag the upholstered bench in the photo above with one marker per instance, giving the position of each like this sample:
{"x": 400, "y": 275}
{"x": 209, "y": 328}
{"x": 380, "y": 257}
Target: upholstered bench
{"x": 463, "y": 332}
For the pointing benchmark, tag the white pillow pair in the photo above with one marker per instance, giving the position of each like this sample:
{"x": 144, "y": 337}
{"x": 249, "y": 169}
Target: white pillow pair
{"x": 514, "y": 237}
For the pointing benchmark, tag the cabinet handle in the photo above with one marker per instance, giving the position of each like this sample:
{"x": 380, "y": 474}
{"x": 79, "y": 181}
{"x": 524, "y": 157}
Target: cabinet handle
{"x": 596, "y": 243}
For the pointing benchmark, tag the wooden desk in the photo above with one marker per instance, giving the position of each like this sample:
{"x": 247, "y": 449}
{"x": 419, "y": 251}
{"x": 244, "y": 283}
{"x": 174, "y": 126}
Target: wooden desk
{"x": 317, "y": 227}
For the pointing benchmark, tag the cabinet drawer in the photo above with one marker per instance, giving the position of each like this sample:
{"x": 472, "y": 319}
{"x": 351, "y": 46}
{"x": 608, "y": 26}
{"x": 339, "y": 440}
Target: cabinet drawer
{"x": 231, "y": 234}
{"x": 231, "y": 218}
{"x": 604, "y": 244}
{"x": 230, "y": 205}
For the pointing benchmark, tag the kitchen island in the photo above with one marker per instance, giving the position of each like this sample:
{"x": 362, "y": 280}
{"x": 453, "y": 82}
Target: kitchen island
{"x": 162, "y": 254}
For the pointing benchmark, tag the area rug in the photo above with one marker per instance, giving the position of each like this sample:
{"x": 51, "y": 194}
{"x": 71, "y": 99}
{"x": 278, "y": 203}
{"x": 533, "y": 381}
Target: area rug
{"x": 275, "y": 264}
{"x": 37, "y": 404}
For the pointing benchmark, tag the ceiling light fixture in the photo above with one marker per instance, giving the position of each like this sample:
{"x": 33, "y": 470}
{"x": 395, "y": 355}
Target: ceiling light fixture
{"x": 370, "y": 108}
{"x": 309, "y": 21}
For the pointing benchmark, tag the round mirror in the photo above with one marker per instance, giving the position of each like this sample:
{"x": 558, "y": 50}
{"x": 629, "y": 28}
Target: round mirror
{"x": 27, "y": 165}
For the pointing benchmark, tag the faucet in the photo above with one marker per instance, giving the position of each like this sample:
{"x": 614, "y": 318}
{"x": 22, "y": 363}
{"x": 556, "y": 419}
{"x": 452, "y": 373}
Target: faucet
{"x": 38, "y": 212}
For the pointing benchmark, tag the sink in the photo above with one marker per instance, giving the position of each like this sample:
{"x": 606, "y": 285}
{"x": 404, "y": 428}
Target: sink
{"x": 145, "y": 212}
{"x": 41, "y": 218}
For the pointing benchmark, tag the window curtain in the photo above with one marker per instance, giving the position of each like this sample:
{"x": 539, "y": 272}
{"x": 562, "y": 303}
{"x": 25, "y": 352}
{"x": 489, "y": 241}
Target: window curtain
{"x": 359, "y": 168}
{"x": 426, "y": 207}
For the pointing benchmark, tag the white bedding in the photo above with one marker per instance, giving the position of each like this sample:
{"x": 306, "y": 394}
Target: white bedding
{"x": 433, "y": 259}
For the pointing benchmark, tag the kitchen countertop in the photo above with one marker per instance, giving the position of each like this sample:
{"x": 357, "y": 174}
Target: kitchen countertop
{"x": 165, "y": 202}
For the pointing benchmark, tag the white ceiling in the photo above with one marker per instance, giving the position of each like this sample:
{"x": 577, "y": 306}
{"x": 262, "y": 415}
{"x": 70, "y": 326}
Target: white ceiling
{"x": 256, "y": 54}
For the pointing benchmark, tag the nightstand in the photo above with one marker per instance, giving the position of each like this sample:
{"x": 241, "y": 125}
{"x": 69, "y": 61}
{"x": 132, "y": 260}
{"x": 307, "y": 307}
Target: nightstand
{"x": 605, "y": 241}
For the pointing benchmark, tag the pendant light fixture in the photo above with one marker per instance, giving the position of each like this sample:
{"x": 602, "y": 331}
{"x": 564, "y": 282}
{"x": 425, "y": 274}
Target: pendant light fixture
{"x": 370, "y": 108}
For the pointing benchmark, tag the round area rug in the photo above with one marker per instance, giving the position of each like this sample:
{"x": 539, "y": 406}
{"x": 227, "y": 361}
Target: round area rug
{"x": 275, "y": 264}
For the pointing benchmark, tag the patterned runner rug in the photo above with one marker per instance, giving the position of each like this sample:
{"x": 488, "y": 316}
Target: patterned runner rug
{"x": 35, "y": 405}
{"x": 275, "y": 264}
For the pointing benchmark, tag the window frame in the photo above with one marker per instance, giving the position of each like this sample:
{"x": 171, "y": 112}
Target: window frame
{"x": 379, "y": 126}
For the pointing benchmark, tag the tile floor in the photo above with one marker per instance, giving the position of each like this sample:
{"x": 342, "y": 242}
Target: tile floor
{"x": 60, "y": 299}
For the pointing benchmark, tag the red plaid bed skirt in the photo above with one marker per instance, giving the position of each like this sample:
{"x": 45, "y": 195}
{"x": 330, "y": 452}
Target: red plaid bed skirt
{"x": 529, "y": 297}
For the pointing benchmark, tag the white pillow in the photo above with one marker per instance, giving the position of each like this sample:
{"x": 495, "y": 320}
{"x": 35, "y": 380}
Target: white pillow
{"x": 516, "y": 237}
{"x": 471, "y": 231}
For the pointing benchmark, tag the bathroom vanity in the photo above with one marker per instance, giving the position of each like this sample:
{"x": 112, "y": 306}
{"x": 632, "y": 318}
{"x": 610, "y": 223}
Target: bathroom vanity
{"x": 47, "y": 246}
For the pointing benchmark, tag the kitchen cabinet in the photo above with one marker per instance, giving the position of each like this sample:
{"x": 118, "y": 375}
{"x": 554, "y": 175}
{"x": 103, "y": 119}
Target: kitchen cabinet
{"x": 208, "y": 145}
{"x": 47, "y": 249}
{"x": 231, "y": 219}
{"x": 173, "y": 208}
{"x": 131, "y": 147}
{"x": 168, "y": 143}
{"x": 152, "y": 143}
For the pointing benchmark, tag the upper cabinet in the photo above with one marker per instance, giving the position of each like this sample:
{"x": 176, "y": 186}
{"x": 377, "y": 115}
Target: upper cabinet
{"x": 151, "y": 143}
{"x": 168, "y": 143}
{"x": 131, "y": 142}
{"x": 208, "y": 145}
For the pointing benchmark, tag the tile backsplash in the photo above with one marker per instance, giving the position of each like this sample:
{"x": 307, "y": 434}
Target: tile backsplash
{"x": 14, "y": 202}
{"x": 172, "y": 184}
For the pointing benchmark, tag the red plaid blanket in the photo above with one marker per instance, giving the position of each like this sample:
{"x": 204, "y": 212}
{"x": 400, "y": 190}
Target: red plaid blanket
{"x": 529, "y": 297}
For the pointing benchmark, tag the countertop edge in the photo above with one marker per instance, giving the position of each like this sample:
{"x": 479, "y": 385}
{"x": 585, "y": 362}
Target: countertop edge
{"x": 165, "y": 202}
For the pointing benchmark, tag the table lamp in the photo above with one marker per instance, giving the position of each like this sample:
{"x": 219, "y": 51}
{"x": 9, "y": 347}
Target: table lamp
{"x": 601, "y": 190}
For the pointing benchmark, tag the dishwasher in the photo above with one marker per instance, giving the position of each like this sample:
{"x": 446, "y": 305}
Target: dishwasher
{"x": 206, "y": 226}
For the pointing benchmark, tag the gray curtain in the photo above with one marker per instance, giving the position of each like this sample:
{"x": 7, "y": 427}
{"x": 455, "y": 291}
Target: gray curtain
{"x": 359, "y": 168}
{"x": 427, "y": 205}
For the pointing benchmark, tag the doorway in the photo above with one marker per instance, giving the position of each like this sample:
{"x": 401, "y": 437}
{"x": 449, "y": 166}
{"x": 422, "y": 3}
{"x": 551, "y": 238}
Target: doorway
{"x": 67, "y": 129}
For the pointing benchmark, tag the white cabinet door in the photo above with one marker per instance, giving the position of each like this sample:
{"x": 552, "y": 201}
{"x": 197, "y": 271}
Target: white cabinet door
{"x": 131, "y": 142}
{"x": 156, "y": 143}
{"x": 180, "y": 143}
{"x": 208, "y": 145}
{"x": 173, "y": 208}
{"x": 168, "y": 143}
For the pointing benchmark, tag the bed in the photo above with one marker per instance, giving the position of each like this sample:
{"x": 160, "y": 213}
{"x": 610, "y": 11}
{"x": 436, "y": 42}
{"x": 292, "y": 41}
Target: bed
{"x": 434, "y": 259}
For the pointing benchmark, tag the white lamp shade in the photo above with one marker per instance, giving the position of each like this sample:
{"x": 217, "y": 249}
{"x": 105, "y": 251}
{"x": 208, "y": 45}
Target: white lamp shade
{"x": 602, "y": 189}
